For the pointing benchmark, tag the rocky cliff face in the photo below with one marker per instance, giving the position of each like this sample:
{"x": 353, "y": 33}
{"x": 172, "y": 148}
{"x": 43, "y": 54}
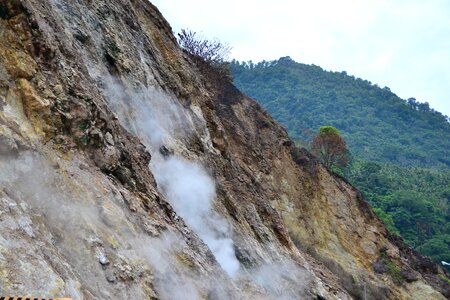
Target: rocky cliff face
{"x": 128, "y": 172}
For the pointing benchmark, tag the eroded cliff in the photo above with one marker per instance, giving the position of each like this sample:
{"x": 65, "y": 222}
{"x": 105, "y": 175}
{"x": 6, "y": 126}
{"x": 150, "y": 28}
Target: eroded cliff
{"x": 127, "y": 171}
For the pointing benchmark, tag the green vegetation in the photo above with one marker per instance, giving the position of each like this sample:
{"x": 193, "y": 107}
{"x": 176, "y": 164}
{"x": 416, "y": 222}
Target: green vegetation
{"x": 412, "y": 201}
{"x": 84, "y": 125}
{"x": 445, "y": 278}
{"x": 400, "y": 148}
{"x": 328, "y": 130}
{"x": 376, "y": 124}
{"x": 391, "y": 268}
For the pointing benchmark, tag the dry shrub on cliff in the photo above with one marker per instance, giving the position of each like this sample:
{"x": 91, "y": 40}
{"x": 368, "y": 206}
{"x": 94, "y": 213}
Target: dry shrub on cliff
{"x": 210, "y": 51}
{"x": 208, "y": 55}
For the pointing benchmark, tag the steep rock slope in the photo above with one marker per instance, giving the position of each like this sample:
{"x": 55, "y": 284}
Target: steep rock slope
{"x": 398, "y": 137}
{"x": 127, "y": 173}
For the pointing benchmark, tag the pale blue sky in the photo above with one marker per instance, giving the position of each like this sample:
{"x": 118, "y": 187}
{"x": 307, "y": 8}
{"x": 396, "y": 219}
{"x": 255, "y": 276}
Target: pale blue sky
{"x": 402, "y": 44}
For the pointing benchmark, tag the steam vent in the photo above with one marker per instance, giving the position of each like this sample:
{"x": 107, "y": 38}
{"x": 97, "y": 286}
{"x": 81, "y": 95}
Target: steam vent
{"x": 129, "y": 171}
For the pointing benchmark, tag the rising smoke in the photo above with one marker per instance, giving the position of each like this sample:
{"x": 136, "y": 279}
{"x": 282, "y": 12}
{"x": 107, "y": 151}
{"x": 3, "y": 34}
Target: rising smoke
{"x": 159, "y": 120}
{"x": 190, "y": 191}
{"x": 185, "y": 183}
{"x": 76, "y": 216}
{"x": 283, "y": 280}
{"x": 36, "y": 187}
{"x": 161, "y": 252}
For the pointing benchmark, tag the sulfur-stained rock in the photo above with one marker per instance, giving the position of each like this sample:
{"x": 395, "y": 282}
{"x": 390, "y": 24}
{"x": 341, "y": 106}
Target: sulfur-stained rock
{"x": 32, "y": 102}
{"x": 18, "y": 63}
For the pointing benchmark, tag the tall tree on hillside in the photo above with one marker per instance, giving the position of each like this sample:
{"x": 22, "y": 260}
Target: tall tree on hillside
{"x": 330, "y": 147}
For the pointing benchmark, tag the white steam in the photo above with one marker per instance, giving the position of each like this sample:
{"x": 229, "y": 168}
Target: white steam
{"x": 149, "y": 113}
{"x": 190, "y": 191}
{"x": 81, "y": 221}
{"x": 282, "y": 280}
{"x": 72, "y": 217}
{"x": 159, "y": 120}
{"x": 160, "y": 253}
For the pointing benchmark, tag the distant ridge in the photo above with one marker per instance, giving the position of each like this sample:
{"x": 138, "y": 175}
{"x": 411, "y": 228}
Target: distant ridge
{"x": 376, "y": 123}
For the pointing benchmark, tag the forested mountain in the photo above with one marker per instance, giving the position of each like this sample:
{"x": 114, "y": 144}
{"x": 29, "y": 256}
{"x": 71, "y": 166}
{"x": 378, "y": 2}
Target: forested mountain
{"x": 376, "y": 123}
{"x": 400, "y": 149}
{"x": 413, "y": 202}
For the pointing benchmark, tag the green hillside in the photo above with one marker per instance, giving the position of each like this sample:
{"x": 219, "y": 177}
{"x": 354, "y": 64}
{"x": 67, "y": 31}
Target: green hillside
{"x": 412, "y": 202}
{"x": 376, "y": 124}
{"x": 400, "y": 148}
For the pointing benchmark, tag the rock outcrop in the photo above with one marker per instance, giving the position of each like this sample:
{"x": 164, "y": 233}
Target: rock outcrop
{"x": 126, "y": 171}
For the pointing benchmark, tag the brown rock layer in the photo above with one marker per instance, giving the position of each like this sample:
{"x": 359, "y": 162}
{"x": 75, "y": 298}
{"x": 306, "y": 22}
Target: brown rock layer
{"x": 81, "y": 214}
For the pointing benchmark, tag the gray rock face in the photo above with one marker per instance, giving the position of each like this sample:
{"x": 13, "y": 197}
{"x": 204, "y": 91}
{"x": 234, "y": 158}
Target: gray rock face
{"x": 127, "y": 171}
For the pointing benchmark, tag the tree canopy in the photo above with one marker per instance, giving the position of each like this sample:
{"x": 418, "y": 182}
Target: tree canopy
{"x": 330, "y": 147}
